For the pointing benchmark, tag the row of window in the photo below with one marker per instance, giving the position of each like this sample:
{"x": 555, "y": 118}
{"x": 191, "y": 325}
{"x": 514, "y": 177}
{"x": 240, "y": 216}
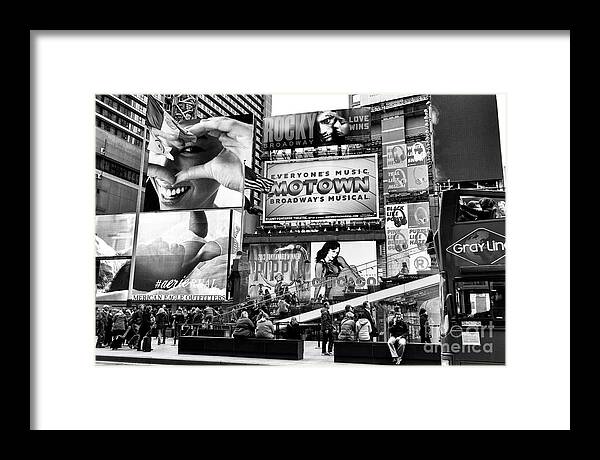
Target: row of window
{"x": 134, "y": 103}
{"x": 117, "y": 169}
{"x": 119, "y": 120}
{"x": 121, "y": 108}
{"x": 110, "y": 128}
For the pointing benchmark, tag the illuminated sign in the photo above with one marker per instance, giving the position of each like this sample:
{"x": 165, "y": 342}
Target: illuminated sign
{"x": 480, "y": 247}
{"x": 343, "y": 188}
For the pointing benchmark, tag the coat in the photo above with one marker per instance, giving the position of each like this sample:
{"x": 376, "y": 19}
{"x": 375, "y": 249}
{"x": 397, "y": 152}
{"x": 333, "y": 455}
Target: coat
{"x": 363, "y": 329}
{"x": 347, "y": 329}
{"x": 292, "y": 331}
{"x": 265, "y": 329}
{"x": 119, "y": 322}
{"x": 326, "y": 320}
{"x": 243, "y": 328}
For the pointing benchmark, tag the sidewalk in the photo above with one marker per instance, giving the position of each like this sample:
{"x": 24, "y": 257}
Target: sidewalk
{"x": 167, "y": 354}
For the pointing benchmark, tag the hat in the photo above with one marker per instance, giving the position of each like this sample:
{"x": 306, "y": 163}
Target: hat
{"x": 349, "y": 315}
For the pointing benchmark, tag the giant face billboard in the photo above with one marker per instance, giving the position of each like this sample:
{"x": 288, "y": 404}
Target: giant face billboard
{"x": 200, "y": 165}
{"x": 313, "y": 129}
{"x": 342, "y": 188}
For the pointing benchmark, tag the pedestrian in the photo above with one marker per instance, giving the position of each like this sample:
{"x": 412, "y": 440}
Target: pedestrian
{"x": 178, "y": 320}
{"x": 244, "y": 327}
{"x": 363, "y": 329}
{"x": 398, "y": 334}
{"x": 347, "y": 328}
{"x": 424, "y": 327}
{"x": 364, "y": 311}
{"x": 264, "y": 327}
{"x": 107, "y": 325}
{"x": 162, "y": 320}
{"x": 209, "y": 314}
{"x": 292, "y": 331}
{"x": 100, "y": 325}
{"x": 119, "y": 324}
{"x": 145, "y": 325}
{"x": 326, "y": 330}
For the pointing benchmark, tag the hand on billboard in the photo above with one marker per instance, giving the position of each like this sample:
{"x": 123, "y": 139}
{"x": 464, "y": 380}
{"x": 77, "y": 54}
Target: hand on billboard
{"x": 160, "y": 260}
{"x": 212, "y": 273}
{"x": 227, "y": 167}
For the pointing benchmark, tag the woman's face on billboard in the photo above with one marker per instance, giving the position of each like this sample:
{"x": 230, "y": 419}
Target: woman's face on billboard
{"x": 188, "y": 194}
{"x": 331, "y": 254}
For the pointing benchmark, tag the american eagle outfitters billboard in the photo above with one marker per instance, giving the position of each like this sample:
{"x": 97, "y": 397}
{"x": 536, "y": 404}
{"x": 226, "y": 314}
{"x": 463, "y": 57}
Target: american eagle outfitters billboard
{"x": 340, "y": 188}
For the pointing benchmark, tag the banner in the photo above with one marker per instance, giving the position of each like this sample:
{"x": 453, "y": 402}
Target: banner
{"x": 313, "y": 129}
{"x": 271, "y": 264}
{"x": 341, "y": 188}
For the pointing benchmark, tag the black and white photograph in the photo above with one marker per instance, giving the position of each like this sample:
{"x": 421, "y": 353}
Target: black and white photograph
{"x": 302, "y": 233}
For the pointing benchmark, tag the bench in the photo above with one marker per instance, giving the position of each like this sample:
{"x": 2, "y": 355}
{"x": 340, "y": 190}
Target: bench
{"x": 241, "y": 347}
{"x": 213, "y": 332}
{"x": 379, "y": 353}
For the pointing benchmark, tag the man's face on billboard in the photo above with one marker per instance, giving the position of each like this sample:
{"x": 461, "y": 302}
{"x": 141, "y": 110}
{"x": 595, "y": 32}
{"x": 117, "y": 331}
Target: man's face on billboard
{"x": 331, "y": 126}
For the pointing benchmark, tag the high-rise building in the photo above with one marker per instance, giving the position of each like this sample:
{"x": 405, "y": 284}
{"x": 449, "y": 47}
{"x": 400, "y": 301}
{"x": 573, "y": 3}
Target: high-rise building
{"x": 120, "y": 121}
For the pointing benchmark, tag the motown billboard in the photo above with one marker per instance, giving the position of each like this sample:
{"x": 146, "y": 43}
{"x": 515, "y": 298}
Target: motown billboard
{"x": 312, "y": 129}
{"x": 338, "y": 188}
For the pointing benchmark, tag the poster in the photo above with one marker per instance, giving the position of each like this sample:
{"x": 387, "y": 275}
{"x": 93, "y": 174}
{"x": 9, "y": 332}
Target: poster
{"x": 285, "y": 263}
{"x": 342, "y": 267}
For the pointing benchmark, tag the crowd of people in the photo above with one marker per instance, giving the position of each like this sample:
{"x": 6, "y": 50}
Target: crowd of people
{"x": 119, "y": 327}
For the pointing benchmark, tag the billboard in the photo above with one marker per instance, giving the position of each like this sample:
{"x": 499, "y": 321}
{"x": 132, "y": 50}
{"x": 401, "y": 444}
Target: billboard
{"x": 114, "y": 234}
{"x": 466, "y": 138}
{"x": 339, "y": 268}
{"x": 201, "y": 166}
{"x": 114, "y": 243}
{"x": 291, "y": 261}
{"x": 341, "y": 188}
{"x": 407, "y": 226}
{"x": 180, "y": 256}
{"x": 313, "y": 129}
{"x": 404, "y": 167}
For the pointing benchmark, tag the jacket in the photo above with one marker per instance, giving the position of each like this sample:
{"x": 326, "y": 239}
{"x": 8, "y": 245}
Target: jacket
{"x": 265, "y": 329}
{"x": 292, "y": 331}
{"x": 119, "y": 322}
{"x": 162, "y": 319}
{"x": 363, "y": 329}
{"x": 326, "y": 320}
{"x": 424, "y": 329}
{"x": 243, "y": 328}
{"x": 398, "y": 328}
{"x": 347, "y": 329}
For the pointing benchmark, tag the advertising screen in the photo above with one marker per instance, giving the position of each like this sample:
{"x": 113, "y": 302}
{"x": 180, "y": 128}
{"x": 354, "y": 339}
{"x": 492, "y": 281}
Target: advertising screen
{"x": 180, "y": 256}
{"x": 313, "y": 129}
{"x": 338, "y": 268}
{"x": 198, "y": 164}
{"x": 114, "y": 234}
{"x": 319, "y": 189}
{"x": 466, "y": 138}
{"x": 286, "y": 264}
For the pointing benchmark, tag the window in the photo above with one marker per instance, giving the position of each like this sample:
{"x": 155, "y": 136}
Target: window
{"x": 473, "y": 208}
{"x": 480, "y": 299}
